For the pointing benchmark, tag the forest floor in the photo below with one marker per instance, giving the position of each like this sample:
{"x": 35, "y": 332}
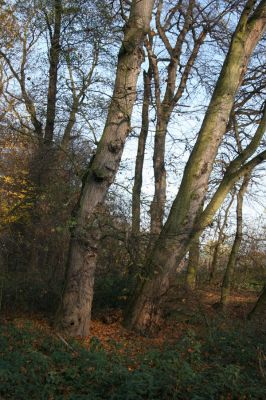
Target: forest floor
{"x": 197, "y": 313}
{"x": 199, "y": 353}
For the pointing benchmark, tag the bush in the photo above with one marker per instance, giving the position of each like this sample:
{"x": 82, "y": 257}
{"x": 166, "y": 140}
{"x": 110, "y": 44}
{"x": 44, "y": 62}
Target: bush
{"x": 38, "y": 366}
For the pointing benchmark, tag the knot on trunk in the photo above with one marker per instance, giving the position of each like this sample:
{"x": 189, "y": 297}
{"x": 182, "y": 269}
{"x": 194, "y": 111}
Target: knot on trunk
{"x": 115, "y": 146}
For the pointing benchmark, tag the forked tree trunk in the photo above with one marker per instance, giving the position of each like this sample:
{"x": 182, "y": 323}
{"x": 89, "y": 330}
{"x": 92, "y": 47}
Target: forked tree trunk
{"x": 228, "y": 276}
{"x": 75, "y": 312}
{"x": 165, "y": 108}
{"x": 146, "y": 308}
{"x": 44, "y": 160}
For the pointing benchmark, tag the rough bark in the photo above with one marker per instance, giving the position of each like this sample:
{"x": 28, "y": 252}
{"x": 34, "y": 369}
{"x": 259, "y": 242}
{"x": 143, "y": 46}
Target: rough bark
{"x": 75, "y": 310}
{"x": 145, "y": 312}
{"x": 228, "y": 276}
{"x": 236, "y": 169}
{"x": 136, "y": 193}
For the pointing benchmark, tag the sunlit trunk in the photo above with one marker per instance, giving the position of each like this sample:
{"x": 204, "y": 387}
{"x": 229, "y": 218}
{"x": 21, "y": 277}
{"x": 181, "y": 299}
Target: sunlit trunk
{"x": 146, "y": 311}
{"x": 75, "y": 311}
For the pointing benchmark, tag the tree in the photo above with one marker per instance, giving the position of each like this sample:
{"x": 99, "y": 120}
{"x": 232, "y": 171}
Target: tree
{"x": 220, "y": 239}
{"x": 227, "y": 280}
{"x": 193, "y": 262}
{"x": 51, "y": 72}
{"x": 136, "y": 191}
{"x": 260, "y": 306}
{"x": 75, "y": 310}
{"x": 145, "y": 311}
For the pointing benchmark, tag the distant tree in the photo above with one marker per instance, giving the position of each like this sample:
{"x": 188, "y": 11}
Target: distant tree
{"x": 220, "y": 240}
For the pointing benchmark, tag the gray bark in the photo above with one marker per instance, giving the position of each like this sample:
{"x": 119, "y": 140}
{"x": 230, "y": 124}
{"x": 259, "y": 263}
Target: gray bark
{"x": 136, "y": 193}
{"x": 75, "y": 311}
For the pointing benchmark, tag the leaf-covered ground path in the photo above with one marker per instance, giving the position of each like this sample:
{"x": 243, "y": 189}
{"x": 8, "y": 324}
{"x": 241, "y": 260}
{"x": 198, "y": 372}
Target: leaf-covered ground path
{"x": 196, "y": 312}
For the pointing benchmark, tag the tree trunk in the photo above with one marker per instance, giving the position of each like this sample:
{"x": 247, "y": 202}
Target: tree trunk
{"x": 219, "y": 242}
{"x": 259, "y": 310}
{"x": 147, "y": 76}
{"x": 145, "y": 311}
{"x": 165, "y": 108}
{"x": 75, "y": 310}
{"x": 193, "y": 260}
{"x": 54, "y": 62}
{"x": 159, "y": 198}
{"x": 228, "y": 276}
{"x": 193, "y": 263}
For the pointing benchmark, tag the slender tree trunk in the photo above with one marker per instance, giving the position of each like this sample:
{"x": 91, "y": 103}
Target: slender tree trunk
{"x": 259, "y": 310}
{"x": 193, "y": 263}
{"x": 136, "y": 205}
{"x": 145, "y": 311}
{"x": 165, "y": 108}
{"x": 159, "y": 198}
{"x": 228, "y": 276}
{"x": 219, "y": 242}
{"x": 193, "y": 259}
{"x": 53, "y": 72}
{"x": 43, "y": 161}
{"x": 75, "y": 311}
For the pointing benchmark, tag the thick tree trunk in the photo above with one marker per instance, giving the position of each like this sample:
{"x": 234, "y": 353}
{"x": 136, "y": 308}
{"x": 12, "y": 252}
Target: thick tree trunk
{"x": 228, "y": 276}
{"x": 145, "y": 311}
{"x": 136, "y": 193}
{"x": 193, "y": 263}
{"x": 75, "y": 310}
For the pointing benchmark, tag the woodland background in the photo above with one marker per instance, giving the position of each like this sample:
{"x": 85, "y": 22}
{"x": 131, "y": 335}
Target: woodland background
{"x": 133, "y": 187}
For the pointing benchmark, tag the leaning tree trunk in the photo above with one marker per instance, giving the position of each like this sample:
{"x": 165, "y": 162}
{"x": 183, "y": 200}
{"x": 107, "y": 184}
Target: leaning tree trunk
{"x": 146, "y": 308}
{"x": 75, "y": 310}
{"x": 259, "y": 310}
{"x": 228, "y": 276}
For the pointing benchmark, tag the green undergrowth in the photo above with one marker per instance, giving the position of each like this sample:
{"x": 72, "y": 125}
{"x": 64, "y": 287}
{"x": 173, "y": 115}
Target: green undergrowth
{"x": 226, "y": 364}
